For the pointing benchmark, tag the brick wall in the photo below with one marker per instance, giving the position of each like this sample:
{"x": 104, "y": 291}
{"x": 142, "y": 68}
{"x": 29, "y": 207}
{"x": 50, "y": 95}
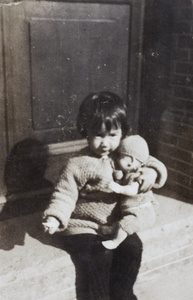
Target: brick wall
{"x": 158, "y": 23}
{"x": 176, "y": 139}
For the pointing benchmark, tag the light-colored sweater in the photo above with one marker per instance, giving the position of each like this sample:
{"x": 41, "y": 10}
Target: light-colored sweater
{"x": 81, "y": 211}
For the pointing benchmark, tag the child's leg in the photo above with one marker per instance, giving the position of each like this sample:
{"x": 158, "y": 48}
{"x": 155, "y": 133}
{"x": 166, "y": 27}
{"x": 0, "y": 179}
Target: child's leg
{"x": 125, "y": 267}
{"x": 92, "y": 262}
{"x": 115, "y": 242}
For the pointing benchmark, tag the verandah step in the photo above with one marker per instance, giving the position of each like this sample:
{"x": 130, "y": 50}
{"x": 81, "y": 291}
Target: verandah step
{"x": 32, "y": 268}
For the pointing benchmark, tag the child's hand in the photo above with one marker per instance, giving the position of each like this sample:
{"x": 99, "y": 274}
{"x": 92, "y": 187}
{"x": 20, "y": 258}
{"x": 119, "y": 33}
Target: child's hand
{"x": 50, "y": 225}
{"x": 148, "y": 178}
{"x": 132, "y": 177}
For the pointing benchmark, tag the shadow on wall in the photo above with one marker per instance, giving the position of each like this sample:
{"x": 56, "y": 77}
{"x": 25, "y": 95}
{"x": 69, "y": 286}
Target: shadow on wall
{"x": 24, "y": 178}
{"x": 25, "y": 167}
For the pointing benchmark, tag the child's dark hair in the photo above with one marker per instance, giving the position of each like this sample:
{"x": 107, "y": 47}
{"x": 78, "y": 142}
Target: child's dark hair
{"x": 102, "y": 108}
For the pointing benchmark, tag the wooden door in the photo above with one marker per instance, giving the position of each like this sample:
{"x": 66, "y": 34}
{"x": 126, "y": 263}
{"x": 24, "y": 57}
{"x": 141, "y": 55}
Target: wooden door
{"x": 56, "y": 53}
{"x": 52, "y": 55}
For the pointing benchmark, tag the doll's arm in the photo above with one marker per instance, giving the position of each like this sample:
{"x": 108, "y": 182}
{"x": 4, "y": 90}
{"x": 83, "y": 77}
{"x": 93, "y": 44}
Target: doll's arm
{"x": 127, "y": 190}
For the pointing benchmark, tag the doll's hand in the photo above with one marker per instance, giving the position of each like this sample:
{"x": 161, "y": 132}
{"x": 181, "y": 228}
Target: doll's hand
{"x": 147, "y": 179}
{"x": 117, "y": 175}
{"x": 50, "y": 225}
{"x": 115, "y": 187}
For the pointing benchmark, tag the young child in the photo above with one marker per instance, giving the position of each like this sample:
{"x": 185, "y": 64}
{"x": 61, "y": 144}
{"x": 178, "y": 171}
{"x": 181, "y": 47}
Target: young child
{"x": 138, "y": 212}
{"x": 77, "y": 214}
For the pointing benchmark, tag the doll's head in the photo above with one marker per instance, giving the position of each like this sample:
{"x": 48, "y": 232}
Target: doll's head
{"x": 133, "y": 152}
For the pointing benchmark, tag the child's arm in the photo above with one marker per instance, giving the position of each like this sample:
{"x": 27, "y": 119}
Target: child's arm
{"x": 64, "y": 198}
{"x": 127, "y": 190}
{"x": 153, "y": 175}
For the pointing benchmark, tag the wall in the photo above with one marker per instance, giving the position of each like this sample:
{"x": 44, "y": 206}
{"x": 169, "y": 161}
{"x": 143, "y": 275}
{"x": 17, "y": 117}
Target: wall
{"x": 176, "y": 139}
{"x": 158, "y": 25}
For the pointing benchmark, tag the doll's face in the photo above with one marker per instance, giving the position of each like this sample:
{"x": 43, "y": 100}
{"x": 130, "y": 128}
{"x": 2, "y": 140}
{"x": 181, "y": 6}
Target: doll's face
{"x": 128, "y": 163}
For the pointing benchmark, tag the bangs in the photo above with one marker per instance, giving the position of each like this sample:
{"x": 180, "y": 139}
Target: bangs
{"x": 105, "y": 123}
{"x": 102, "y": 111}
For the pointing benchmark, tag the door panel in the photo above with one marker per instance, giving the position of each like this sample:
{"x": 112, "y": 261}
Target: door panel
{"x": 69, "y": 59}
{"x": 56, "y": 53}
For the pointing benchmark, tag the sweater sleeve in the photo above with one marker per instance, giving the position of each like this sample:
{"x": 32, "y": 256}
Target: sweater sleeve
{"x": 64, "y": 198}
{"x": 161, "y": 170}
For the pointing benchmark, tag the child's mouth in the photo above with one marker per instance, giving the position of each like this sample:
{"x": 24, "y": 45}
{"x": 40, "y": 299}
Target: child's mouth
{"x": 104, "y": 153}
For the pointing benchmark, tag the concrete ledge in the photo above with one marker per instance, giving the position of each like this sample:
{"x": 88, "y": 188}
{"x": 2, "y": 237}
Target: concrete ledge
{"x": 32, "y": 268}
{"x": 173, "y": 230}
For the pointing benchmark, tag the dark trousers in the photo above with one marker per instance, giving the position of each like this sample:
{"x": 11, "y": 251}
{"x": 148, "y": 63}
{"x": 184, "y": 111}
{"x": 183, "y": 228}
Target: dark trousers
{"x": 103, "y": 274}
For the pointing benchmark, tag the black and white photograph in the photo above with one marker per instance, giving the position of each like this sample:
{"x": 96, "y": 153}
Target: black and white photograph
{"x": 96, "y": 149}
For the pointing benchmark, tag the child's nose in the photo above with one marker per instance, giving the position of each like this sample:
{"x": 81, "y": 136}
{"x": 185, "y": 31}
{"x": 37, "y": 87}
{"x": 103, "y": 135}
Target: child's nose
{"x": 104, "y": 141}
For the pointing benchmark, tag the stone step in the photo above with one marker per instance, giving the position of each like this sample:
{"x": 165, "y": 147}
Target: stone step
{"x": 32, "y": 268}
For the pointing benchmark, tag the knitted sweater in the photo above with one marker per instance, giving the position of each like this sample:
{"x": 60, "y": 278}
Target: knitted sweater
{"x": 80, "y": 211}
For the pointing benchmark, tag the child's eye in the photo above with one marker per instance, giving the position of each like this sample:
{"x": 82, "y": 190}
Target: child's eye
{"x": 113, "y": 134}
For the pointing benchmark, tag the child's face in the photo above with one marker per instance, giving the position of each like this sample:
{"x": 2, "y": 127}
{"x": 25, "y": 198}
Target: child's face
{"x": 103, "y": 143}
{"x": 128, "y": 163}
